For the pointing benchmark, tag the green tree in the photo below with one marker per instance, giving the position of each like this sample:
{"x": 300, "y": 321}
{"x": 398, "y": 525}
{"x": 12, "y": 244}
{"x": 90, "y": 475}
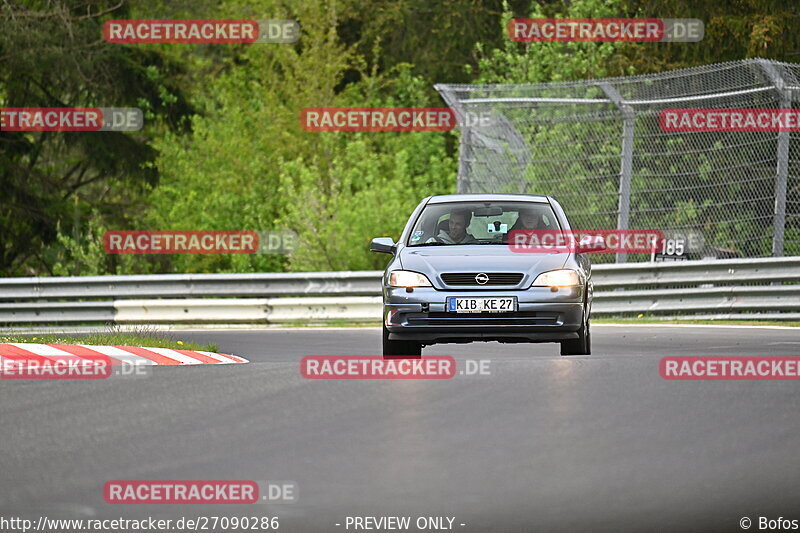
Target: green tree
{"x": 53, "y": 56}
{"x": 250, "y": 165}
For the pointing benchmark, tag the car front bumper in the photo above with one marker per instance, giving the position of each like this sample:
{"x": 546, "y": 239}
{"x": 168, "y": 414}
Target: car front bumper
{"x": 543, "y": 315}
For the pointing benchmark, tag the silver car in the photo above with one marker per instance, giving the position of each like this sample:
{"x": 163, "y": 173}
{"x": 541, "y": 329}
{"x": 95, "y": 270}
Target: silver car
{"x": 454, "y": 278}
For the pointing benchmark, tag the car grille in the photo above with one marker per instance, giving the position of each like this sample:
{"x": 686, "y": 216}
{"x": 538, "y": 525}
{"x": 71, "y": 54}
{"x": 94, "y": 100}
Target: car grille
{"x": 519, "y": 318}
{"x": 495, "y": 278}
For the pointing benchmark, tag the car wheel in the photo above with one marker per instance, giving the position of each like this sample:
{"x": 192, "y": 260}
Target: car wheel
{"x": 391, "y": 347}
{"x": 583, "y": 344}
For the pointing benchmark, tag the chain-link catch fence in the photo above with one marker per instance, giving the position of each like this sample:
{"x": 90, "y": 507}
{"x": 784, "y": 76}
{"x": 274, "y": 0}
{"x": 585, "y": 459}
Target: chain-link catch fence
{"x": 598, "y": 148}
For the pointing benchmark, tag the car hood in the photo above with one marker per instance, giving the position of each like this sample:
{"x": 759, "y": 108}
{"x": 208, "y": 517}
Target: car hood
{"x": 435, "y": 260}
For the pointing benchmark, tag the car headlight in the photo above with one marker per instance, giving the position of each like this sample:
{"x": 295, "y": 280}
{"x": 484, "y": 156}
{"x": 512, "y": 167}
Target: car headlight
{"x": 557, "y": 278}
{"x": 406, "y": 278}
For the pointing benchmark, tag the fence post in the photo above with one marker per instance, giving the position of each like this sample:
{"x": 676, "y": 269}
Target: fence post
{"x": 453, "y": 101}
{"x": 626, "y": 167}
{"x": 781, "y": 181}
{"x": 464, "y": 160}
{"x": 782, "y": 156}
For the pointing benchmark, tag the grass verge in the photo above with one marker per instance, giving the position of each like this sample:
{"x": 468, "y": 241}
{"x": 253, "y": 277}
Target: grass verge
{"x": 787, "y": 323}
{"x": 145, "y": 337}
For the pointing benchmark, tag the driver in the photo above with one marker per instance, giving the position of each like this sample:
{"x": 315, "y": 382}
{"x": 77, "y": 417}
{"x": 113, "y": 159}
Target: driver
{"x": 457, "y": 234}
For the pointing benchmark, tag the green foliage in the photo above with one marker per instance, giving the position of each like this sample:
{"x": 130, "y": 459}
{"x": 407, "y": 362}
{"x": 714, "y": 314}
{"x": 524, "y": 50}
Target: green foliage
{"x": 733, "y": 30}
{"x": 437, "y": 38}
{"x": 82, "y": 253}
{"x": 249, "y": 165}
{"x": 52, "y": 56}
{"x": 223, "y": 148}
{"x": 545, "y": 62}
{"x": 363, "y": 193}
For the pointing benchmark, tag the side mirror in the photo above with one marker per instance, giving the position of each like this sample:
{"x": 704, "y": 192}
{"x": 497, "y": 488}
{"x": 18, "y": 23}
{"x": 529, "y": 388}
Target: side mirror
{"x": 591, "y": 243}
{"x": 384, "y": 245}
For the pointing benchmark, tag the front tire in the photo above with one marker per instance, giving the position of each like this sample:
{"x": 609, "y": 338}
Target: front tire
{"x": 391, "y": 347}
{"x": 583, "y": 344}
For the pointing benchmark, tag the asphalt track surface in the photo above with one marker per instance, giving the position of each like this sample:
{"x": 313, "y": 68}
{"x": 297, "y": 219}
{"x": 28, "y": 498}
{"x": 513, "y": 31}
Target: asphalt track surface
{"x": 544, "y": 443}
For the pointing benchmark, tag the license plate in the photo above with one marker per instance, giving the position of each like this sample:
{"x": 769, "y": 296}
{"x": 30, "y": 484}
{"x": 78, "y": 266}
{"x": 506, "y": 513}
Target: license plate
{"x": 482, "y": 305}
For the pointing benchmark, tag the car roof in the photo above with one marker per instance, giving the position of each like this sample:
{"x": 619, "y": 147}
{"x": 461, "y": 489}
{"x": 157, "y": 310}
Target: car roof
{"x": 446, "y": 198}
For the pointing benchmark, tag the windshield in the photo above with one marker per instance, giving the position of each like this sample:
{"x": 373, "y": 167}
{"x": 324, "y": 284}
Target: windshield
{"x": 459, "y": 223}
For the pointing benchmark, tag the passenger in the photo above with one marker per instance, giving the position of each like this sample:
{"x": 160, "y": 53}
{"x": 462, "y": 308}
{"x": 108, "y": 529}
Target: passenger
{"x": 528, "y": 219}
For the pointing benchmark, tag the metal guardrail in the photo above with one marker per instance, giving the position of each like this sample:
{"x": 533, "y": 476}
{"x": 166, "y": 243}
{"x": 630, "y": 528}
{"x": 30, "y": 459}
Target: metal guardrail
{"x": 363, "y": 283}
{"x": 682, "y": 273}
{"x": 766, "y": 288}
